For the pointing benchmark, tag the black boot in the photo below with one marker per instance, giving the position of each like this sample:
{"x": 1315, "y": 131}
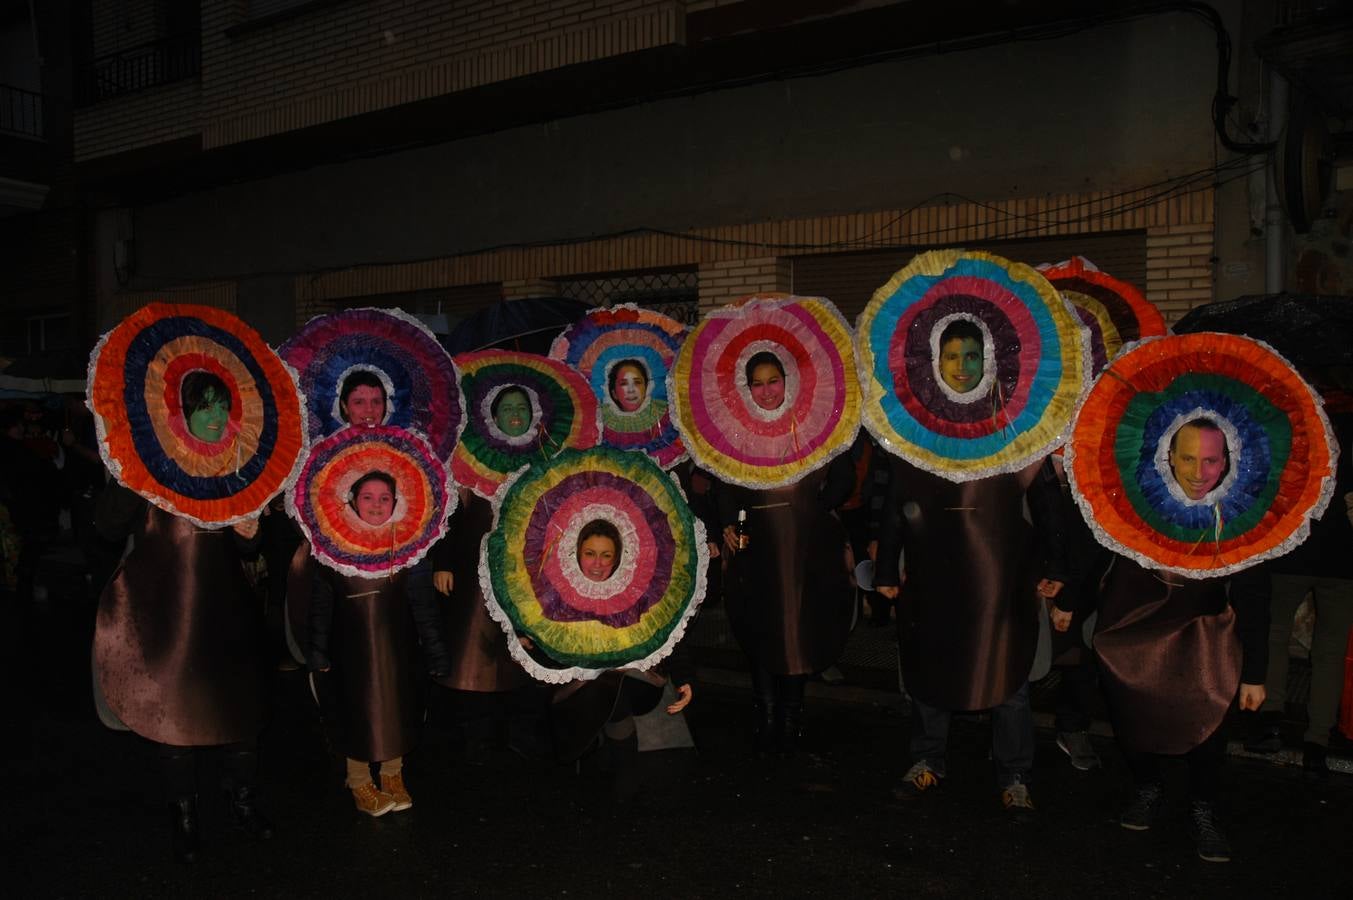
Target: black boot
{"x": 183, "y": 828}
{"x": 242, "y": 803}
{"x": 791, "y": 726}
{"x": 765, "y": 725}
{"x": 624, "y": 754}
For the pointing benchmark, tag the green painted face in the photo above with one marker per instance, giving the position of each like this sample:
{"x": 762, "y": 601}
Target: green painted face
{"x": 208, "y": 422}
{"x": 514, "y": 413}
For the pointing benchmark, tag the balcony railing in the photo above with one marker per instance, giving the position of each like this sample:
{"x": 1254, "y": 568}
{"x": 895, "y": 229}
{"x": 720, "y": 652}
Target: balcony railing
{"x": 20, "y": 112}
{"x": 160, "y": 62}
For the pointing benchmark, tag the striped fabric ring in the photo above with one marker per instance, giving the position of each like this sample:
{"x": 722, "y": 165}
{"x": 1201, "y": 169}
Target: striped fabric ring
{"x": 136, "y": 378}
{"x": 605, "y": 338}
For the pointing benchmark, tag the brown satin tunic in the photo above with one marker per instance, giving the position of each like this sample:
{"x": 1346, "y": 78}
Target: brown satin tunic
{"x": 789, "y": 595}
{"x": 376, "y": 667}
{"x": 968, "y": 618}
{"x": 1169, "y": 659}
{"x": 479, "y": 657}
{"x": 178, "y": 642}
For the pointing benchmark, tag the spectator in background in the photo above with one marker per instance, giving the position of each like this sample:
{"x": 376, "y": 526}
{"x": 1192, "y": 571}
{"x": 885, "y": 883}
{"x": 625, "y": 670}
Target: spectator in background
{"x": 1321, "y": 567}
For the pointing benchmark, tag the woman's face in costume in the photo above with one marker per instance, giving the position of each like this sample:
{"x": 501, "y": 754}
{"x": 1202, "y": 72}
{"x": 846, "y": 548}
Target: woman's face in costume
{"x": 375, "y": 502}
{"x": 1198, "y": 460}
{"x": 596, "y": 557}
{"x": 767, "y": 387}
{"x": 631, "y": 384}
{"x": 365, "y": 406}
{"x": 961, "y": 363}
{"x": 208, "y": 421}
{"x": 514, "y": 413}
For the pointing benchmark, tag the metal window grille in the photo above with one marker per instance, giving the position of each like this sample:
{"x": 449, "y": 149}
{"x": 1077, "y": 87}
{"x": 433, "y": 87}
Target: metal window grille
{"x": 149, "y": 65}
{"x": 672, "y": 293}
{"x": 20, "y": 111}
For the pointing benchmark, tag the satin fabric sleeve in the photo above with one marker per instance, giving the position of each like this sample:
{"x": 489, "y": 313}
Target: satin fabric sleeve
{"x": 892, "y": 530}
{"x": 427, "y": 619}
{"x": 118, "y": 512}
{"x": 1048, "y": 510}
{"x": 321, "y": 620}
{"x": 1250, "y": 594}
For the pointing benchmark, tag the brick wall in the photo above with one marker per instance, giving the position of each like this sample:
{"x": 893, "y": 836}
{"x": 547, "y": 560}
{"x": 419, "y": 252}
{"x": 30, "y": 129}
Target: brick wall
{"x": 352, "y": 58}
{"x": 220, "y": 294}
{"x": 1179, "y": 267}
{"x": 738, "y": 259}
{"x": 123, "y": 24}
{"x": 153, "y": 116}
{"x": 727, "y": 280}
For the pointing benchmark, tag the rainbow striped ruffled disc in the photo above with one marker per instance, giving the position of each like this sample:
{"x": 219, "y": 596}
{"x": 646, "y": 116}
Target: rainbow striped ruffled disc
{"x": 1115, "y": 312}
{"x": 1033, "y": 375}
{"x": 1281, "y": 450}
{"x": 604, "y": 338}
{"x": 535, "y": 588}
{"x": 726, "y": 433}
{"x": 563, "y": 415}
{"x": 136, "y": 375}
{"x": 422, "y": 387}
{"x": 320, "y": 501}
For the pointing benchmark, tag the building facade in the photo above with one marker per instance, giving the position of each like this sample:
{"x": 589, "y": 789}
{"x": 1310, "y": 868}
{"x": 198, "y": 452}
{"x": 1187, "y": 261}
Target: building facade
{"x": 285, "y": 158}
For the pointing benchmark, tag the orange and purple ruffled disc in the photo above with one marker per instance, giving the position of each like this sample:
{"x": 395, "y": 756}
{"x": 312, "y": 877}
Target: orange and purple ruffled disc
{"x": 605, "y": 338}
{"x": 563, "y": 415}
{"x": 321, "y": 501}
{"x": 535, "y": 587}
{"x": 1113, "y": 310}
{"x": 422, "y": 387}
{"x": 136, "y": 375}
{"x": 1033, "y": 376}
{"x": 726, "y": 433}
{"x": 1281, "y": 454}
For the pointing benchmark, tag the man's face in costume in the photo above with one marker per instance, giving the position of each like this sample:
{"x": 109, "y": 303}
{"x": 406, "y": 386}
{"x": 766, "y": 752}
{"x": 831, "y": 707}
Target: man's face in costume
{"x": 1198, "y": 459}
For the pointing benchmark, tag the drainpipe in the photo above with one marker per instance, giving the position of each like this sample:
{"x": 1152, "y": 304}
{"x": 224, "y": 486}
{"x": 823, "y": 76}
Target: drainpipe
{"x": 1275, "y": 224}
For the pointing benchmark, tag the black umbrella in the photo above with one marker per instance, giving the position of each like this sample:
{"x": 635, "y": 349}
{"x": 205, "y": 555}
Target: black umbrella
{"x": 530, "y": 325}
{"x": 1308, "y": 329}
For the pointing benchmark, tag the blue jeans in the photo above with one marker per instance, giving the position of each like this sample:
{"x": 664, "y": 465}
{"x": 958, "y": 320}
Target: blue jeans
{"x": 1012, "y": 737}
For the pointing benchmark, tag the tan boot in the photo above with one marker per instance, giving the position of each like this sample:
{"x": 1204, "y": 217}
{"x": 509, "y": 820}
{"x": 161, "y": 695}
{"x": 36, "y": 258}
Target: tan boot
{"x": 393, "y": 784}
{"x": 371, "y": 801}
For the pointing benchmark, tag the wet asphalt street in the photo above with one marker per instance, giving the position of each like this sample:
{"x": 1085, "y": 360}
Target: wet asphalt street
{"x": 87, "y": 819}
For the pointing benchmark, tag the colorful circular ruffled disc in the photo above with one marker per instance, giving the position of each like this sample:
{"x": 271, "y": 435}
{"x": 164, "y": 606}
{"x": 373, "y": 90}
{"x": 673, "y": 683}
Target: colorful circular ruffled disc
{"x": 563, "y": 415}
{"x": 1034, "y": 356}
{"x": 530, "y": 572}
{"x": 1114, "y": 311}
{"x": 136, "y": 377}
{"x": 422, "y": 387}
{"x": 725, "y": 430}
{"x": 323, "y": 499}
{"x": 1281, "y": 453}
{"x": 598, "y": 345}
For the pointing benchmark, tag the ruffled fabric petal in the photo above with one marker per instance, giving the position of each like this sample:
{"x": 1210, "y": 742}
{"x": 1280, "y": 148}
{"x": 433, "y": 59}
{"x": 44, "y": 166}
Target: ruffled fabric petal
{"x": 1035, "y": 372}
{"x": 1282, "y": 454}
{"x": 320, "y": 501}
{"x": 1114, "y": 311}
{"x": 564, "y": 414}
{"x": 421, "y": 382}
{"x": 726, "y": 433}
{"x": 605, "y": 337}
{"x": 136, "y": 374}
{"x": 535, "y": 588}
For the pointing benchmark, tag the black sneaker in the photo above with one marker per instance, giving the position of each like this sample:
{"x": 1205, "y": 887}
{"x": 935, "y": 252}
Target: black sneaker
{"x": 1266, "y": 735}
{"x": 1207, "y": 835}
{"x": 1141, "y": 812}
{"x": 1315, "y": 760}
